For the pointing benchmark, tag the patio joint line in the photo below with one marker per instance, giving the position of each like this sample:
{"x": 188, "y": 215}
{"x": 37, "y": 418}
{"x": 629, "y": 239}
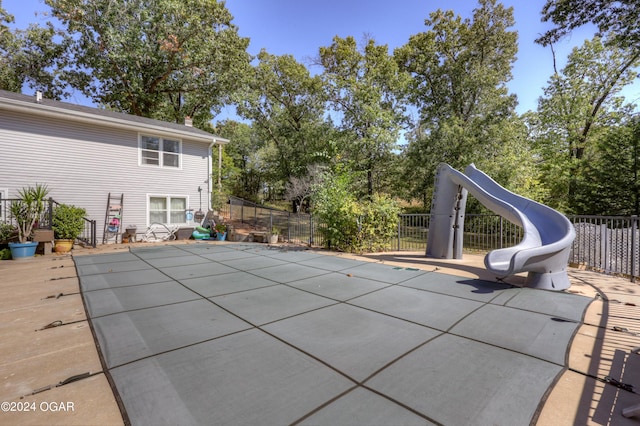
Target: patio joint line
{"x": 507, "y": 349}
{"x": 424, "y": 416}
{"x": 326, "y": 364}
{"x": 323, "y": 405}
{"x": 296, "y": 315}
{"x": 395, "y": 317}
{"x": 256, "y": 269}
{"x": 447, "y": 294}
{"x": 348, "y": 391}
{"x": 233, "y": 313}
{"x": 148, "y": 307}
{"x": 103, "y": 362}
{"x": 242, "y": 291}
{"x": 448, "y": 331}
{"x": 126, "y": 286}
{"x": 331, "y": 298}
{"x": 181, "y": 347}
{"x": 399, "y": 357}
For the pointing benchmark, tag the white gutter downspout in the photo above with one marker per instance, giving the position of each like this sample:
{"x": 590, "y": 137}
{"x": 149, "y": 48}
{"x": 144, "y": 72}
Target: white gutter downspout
{"x": 210, "y": 174}
{"x": 219, "y": 168}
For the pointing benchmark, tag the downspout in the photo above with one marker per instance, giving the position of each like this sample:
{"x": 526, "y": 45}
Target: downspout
{"x": 219, "y": 168}
{"x": 210, "y": 174}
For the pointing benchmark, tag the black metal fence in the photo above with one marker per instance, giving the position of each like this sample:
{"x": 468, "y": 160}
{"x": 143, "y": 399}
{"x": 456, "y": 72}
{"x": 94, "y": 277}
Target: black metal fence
{"x": 294, "y": 227}
{"x": 87, "y": 237}
{"x": 609, "y": 244}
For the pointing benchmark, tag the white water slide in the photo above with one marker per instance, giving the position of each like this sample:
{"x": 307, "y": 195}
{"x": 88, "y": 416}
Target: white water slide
{"x": 548, "y": 234}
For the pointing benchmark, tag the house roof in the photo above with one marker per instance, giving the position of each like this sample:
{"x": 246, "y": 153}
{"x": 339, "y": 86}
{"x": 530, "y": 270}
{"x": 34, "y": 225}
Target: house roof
{"x": 29, "y": 104}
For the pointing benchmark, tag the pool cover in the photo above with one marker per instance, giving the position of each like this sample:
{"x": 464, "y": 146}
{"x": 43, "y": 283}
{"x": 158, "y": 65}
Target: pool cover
{"x": 224, "y": 333}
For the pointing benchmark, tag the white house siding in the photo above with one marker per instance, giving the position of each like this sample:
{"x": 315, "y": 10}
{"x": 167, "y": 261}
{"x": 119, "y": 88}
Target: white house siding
{"x": 82, "y": 163}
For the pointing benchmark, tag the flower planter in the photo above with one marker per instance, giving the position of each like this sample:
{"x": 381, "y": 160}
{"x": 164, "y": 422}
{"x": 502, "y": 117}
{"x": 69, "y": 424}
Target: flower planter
{"x": 63, "y": 246}
{"x": 273, "y": 239}
{"x": 23, "y": 250}
{"x": 221, "y": 237}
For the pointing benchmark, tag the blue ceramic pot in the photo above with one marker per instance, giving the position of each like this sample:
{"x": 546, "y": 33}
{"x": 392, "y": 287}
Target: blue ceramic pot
{"x": 221, "y": 237}
{"x": 23, "y": 250}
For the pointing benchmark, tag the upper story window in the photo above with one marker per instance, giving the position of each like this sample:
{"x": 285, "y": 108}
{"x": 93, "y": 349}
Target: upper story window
{"x": 161, "y": 152}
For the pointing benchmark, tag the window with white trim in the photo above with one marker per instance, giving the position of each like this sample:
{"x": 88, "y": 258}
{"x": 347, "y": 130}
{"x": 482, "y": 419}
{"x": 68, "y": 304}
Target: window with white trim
{"x": 167, "y": 209}
{"x": 160, "y": 152}
{"x": 4, "y": 207}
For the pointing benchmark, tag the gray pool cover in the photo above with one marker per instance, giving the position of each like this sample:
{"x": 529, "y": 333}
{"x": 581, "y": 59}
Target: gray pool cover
{"x": 248, "y": 334}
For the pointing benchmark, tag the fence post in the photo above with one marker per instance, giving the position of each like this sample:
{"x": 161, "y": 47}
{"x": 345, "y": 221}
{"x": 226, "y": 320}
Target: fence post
{"x": 603, "y": 247}
{"x": 501, "y": 232}
{"x": 634, "y": 247}
{"x": 399, "y": 219}
{"x": 50, "y": 213}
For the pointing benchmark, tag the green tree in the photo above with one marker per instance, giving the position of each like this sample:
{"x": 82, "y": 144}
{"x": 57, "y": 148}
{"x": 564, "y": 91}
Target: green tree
{"x": 35, "y": 57}
{"x": 164, "y": 59}
{"x": 621, "y": 19}
{"x": 9, "y": 80}
{"x": 608, "y": 182}
{"x": 459, "y": 71}
{"x": 579, "y": 105}
{"x": 286, "y": 106}
{"x": 241, "y": 173}
{"x": 364, "y": 87}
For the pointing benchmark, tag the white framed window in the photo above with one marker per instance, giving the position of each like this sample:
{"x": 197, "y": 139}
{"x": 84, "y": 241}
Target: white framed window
{"x": 167, "y": 209}
{"x": 160, "y": 152}
{"x": 4, "y": 207}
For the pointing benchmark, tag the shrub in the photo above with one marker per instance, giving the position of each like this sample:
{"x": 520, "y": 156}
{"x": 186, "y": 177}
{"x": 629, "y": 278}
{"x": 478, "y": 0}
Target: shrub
{"x": 350, "y": 225}
{"x": 8, "y": 232}
{"x": 5, "y": 254}
{"x": 68, "y": 221}
{"x": 379, "y": 223}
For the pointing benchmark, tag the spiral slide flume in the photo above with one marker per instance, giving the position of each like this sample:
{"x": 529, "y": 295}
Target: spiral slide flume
{"x": 547, "y": 233}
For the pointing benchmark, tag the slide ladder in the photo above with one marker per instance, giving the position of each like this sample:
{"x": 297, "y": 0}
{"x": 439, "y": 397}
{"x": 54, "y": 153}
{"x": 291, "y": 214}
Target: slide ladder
{"x": 547, "y": 233}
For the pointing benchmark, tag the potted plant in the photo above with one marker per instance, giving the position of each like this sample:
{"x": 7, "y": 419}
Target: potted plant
{"x": 273, "y": 237}
{"x": 67, "y": 224}
{"x": 221, "y": 231}
{"x": 27, "y": 211}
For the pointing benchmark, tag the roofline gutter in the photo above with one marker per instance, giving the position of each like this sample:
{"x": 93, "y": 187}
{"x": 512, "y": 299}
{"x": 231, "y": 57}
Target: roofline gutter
{"x": 52, "y": 111}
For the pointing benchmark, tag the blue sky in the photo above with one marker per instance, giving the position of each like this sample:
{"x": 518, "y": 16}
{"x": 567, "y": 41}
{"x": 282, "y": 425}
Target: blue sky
{"x": 301, "y": 27}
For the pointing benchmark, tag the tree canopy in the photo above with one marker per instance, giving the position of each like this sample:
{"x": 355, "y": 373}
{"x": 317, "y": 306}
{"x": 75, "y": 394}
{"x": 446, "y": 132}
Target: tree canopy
{"x": 459, "y": 69}
{"x": 364, "y": 86}
{"x": 446, "y": 88}
{"x": 164, "y": 59}
{"x": 34, "y": 57}
{"x": 619, "y": 18}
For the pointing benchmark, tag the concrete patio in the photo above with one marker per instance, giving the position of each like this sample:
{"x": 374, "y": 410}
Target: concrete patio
{"x": 310, "y": 337}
